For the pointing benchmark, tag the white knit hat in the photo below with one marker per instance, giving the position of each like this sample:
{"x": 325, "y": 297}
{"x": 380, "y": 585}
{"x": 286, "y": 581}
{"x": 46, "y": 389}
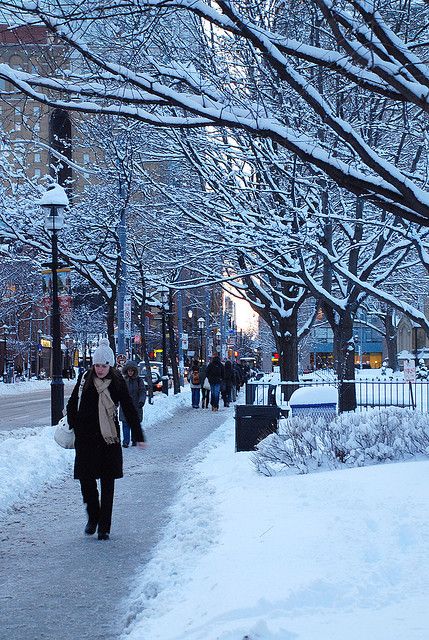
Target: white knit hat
{"x": 103, "y": 354}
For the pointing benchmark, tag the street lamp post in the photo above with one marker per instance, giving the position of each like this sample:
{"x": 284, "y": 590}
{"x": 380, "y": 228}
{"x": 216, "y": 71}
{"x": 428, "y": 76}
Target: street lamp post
{"x": 201, "y": 324}
{"x": 164, "y": 295}
{"x": 54, "y": 201}
{"x": 39, "y": 350}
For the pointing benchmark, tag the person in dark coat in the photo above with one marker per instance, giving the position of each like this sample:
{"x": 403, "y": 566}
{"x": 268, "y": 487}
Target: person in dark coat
{"x": 214, "y": 373}
{"x": 227, "y": 383}
{"x": 94, "y": 419}
{"x": 137, "y": 391}
{"x": 238, "y": 379}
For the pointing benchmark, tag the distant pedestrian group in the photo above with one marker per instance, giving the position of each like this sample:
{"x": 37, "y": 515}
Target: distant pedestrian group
{"x": 214, "y": 381}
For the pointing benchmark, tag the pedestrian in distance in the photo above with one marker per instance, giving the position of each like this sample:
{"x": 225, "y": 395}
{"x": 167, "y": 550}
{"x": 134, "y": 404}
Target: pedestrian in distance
{"x": 238, "y": 379}
{"x": 97, "y": 436}
{"x": 205, "y": 392}
{"x": 227, "y": 383}
{"x": 137, "y": 390}
{"x": 194, "y": 379}
{"x": 215, "y": 373}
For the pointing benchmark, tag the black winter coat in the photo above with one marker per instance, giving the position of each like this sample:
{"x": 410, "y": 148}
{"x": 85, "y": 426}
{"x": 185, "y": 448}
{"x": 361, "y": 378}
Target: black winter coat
{"x": 215, "y": 371}
{"x": 94, "y": 457}
{"x": 136, "y": 388}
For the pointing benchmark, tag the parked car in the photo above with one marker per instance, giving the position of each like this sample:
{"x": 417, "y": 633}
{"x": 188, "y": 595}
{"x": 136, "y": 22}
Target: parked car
{"x": 156, "y": 372}
{"x": 155, "y": 368}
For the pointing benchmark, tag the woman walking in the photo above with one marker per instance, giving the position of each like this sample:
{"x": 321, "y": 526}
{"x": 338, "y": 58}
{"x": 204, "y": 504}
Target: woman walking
{"x": 97, "y": 442}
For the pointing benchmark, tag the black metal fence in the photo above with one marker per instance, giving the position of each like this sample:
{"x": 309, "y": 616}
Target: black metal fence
{"x": 369, "y": 393}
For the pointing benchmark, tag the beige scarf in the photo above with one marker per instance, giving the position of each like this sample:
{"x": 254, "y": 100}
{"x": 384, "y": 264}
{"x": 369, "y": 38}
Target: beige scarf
{"x": 106, "y": 411}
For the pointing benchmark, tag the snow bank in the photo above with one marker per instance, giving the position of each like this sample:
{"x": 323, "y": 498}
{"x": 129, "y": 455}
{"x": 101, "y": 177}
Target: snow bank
{"x": 330, "y": 556}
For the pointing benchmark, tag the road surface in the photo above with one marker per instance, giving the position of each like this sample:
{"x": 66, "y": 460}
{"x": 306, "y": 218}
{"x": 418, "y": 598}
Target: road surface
{"x": 32, "y": 409}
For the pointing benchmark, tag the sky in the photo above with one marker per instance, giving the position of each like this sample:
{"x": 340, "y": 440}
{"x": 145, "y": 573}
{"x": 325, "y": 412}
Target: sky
{"x": 332, "y": 555}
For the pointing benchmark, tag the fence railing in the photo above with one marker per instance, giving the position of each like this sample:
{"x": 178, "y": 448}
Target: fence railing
{"x": 369, "y": 393}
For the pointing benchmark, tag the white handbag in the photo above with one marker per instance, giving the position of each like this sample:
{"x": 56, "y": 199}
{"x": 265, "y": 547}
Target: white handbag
{"x": 206, "y": 384}
{"x": 63, "y": 435}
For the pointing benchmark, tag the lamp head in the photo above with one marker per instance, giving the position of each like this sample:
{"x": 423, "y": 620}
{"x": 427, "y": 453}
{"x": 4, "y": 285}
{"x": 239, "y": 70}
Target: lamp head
{"x": 163, "y": 291}
{"x": 54, "y": 201}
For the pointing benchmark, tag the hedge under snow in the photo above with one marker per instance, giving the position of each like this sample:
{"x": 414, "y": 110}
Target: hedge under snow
{"x": 353, "y": 439}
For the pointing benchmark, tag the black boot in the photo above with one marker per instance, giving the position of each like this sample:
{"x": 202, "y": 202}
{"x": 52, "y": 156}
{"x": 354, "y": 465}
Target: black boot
{"x": 91, "y": 527}
{"x": 103, "y": 536}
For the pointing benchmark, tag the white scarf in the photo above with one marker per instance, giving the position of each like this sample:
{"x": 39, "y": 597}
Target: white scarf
{"x": 106, "y": 411}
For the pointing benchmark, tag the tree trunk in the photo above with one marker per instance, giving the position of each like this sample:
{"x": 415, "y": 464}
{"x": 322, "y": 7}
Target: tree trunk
{"x": 344, "y": 354}
{"x": 287, "y": 348}
{"x": 173, "y": 350}
{"x": 391, "y": 341}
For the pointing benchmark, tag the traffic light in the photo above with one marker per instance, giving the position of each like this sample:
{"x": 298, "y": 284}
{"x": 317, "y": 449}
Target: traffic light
{"x": 274, "y": 357}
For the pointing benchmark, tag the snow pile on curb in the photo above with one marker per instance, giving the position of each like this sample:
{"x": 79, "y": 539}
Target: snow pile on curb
{"x": 28, "y": 463}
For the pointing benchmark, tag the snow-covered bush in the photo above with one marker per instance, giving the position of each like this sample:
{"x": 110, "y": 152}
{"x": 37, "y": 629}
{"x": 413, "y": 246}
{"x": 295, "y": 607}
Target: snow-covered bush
{"x": 359, "y": 438}
{"x": 422, "y": 372}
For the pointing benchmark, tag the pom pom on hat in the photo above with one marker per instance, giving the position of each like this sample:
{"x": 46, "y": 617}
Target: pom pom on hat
{"x": 103, "y": 354}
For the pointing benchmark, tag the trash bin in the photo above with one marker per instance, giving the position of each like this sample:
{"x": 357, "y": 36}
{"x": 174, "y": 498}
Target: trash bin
{"x": 254, "y": 423}
{"x": 316, "y": 401}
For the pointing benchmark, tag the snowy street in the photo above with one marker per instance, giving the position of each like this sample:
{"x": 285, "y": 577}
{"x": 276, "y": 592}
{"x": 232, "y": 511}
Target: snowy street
{"x": 58, "y": 584}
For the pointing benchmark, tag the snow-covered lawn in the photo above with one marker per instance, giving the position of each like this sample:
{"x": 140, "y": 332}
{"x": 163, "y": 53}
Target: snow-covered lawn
{"x": 333, "y": 555}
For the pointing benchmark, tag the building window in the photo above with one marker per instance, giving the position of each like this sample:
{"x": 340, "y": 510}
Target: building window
{"x": 86, "y": 158}
{"x": 37, "y": 157}
{"x": 36, "y": 111}
{"x": 37, "y": 173}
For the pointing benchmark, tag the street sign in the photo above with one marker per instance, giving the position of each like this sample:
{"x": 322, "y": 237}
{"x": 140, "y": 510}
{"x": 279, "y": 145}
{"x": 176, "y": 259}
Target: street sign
{"x": 185, "y": 342}
{"x": 127, "y": 317}
{"x": 409, "y": 371}
{"x": 121, "y": 359}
